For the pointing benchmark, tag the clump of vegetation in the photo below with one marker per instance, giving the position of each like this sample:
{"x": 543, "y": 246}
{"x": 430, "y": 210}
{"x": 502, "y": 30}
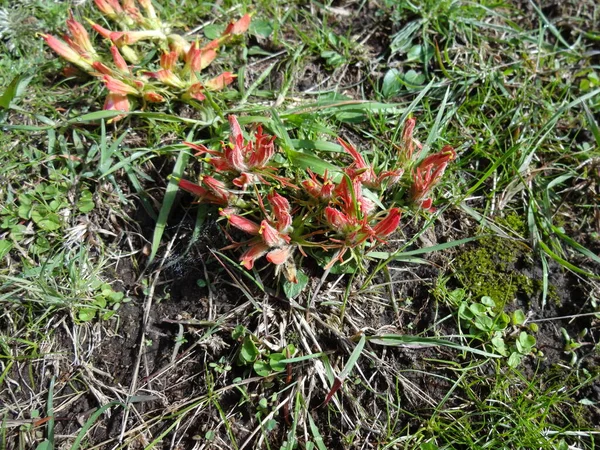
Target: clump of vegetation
{"x": 345, "y": 208}
{"x": 126, "y": 73}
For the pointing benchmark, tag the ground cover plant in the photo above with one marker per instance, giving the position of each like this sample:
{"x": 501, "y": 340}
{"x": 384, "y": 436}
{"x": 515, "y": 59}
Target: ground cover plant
{"x": 391, "y": 240}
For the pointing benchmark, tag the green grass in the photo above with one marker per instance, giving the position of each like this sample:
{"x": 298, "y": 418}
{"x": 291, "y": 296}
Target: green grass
{"x": 100, "y": 251}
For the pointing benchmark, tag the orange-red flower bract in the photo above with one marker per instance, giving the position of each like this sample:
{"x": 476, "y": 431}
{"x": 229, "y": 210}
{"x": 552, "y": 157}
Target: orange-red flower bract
{"x": 428, "y": 173}
{"x": 388, "y": 225}
{"x": 67, "y": 52}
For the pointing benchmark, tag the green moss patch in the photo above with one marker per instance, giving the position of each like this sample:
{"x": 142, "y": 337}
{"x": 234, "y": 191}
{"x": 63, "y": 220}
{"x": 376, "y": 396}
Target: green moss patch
{"x": 489, "y": 268}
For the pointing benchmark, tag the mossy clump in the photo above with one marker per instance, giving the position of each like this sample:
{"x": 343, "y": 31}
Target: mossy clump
{"x": 489, "y": 268}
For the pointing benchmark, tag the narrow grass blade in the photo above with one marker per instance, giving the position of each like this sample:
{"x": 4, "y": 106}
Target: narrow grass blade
{"x": 95, "y": 116}
{"x": 396, "y": 339}
{"x": 254, "y": 86}
{"x": 550, "y": 25}
{"x": 420, "y": 251}
{"x": 337, "y": 383}
{"x": 592, "y": 123}
{"x": 90, "y": 422}
{"x": 566, "y": 263}
{"x": 168, "y": 202}
{"x": 316, "y": 434}
{"x": 50, "y": 412}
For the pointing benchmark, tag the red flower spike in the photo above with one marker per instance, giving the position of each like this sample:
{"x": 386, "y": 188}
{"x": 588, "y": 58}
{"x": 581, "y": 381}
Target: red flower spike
{"x": 271, "y": 236}
{"x": 131, "y": 37}
{"x": 281, "y": 210}
{"x": 388, "y": 225}
{"x": 167, "y": 77}
{"x": 153, "y": 97}
{"x": 428, "y": 173}
{"x": 119, "y": 60}
{"x": 245, "y": 179}
{"x": 408, "y": 144}
{"x": 264, "y": 149}
{"x": 393, "y": 176}
{"x": 280, "y": 255}
{"x": 201, "y": 192}
{"x": 239, "y": 27}
{"x": 101, "y": 68}
{"x": 241, "y": 223}
{"x": 362, "y": 171}
{"x": 101, "y": 30}
{"x": 337, "y": 220}
{"x": 132, "y": 11}
{"x": 317, "y": 189}
{"x": 67, "y": 52}
{"x": 192, "y": 188}
{"x": 217, "y": 187}
{"x": 198, "y": 59}
{"x": 220, "y": 82}
{"x": 109, "y": 8}
{"x": 168, "y": 60}
{"x": 118, "y": 87}
{"x": 195, "y": 92}
{"x": 349, "y": 198}
{"x": 80, "y": 36}
{"x": 150, "y": 11}
{"x": 116, "y": 102}
{"x": 254, "y": 252}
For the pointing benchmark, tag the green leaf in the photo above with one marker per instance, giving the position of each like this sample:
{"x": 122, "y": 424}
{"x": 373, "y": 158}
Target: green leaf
{"x": 392, "y": 84}
{"x": 44, "y": 445}
{"x": 261, "y": 27}
{"x": 488, "y": 301}
{"x": 397, "y": 339}
{"x": 262, "y": 368}
{"x": 518, "y": 317}
{"x": 514, "y": 360}
{"x": 274, "y": 362}
{"x": 88, "y": 424}
{"x": 86, "y": 314}
{"x": 248, "y": 352}
{"x": 86, "y": 202}
{"x": 428, "y": 446}
{"x": 419, "y": 53}
{"x": 499, "y": 344}
{"x": 14, "y": 91}
{"x": 312, "y": 162}
{"x": 168, "y": 202}
{"x": 213, "y": 31}
{"x": 414, "y": 78}
{"x": 5, "y": 247}
{"x": 293, "y": 290}
{"x": 402, "y": 40}
{"x": 484, "y": 323}
{"x": 48, "y": 222}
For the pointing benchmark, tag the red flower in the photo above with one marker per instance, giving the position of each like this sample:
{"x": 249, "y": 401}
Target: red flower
{"x": 388, "y": 225}
{"x": 118, "y": 87}
{"x": 360, "y": 170}
{"x": 281, "y": 210}
{"x": 317, "y": 189}
{"x": 213, "y": 193}
{"x": 67, "y": 52}
{"x": 239, "y": 156}
{"x": 239, "y": 27}
{"x": 118, "y": 59}
{"x": 428, "y": 173}
{"x": 81, "y": 37}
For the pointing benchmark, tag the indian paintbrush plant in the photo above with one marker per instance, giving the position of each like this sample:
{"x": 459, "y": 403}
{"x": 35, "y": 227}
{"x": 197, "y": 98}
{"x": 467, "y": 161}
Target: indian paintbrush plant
{"x": 177, "y": 73}
{"x": 285, "y": 212}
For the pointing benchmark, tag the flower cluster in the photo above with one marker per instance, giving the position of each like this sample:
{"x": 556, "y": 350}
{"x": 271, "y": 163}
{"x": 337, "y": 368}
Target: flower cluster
{"x": 178, "y": 70}
{"x": 333, "y": 212}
